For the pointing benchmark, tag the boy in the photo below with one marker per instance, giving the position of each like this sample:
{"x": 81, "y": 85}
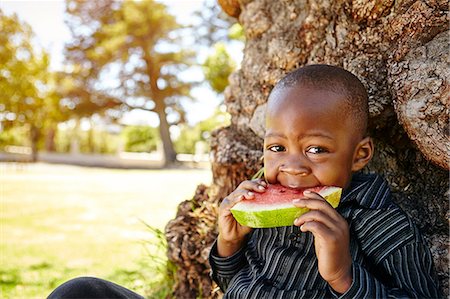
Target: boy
{"x": 316, "y": 125}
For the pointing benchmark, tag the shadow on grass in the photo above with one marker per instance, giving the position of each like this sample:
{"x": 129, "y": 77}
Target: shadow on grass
{"x": 10, "y": 278}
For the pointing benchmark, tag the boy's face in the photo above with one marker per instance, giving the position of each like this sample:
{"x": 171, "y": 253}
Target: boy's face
{"x": 310, "y": 140}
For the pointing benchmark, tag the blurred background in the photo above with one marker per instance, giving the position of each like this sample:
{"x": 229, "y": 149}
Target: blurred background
{"x": 106, "y": 109}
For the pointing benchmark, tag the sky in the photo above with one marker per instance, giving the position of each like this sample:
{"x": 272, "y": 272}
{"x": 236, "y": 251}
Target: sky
{"x": 47, "y": 21}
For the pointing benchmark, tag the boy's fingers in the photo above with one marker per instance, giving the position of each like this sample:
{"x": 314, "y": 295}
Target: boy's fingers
{"x": 229, "y": 201}
{"x": 246, "y": 190}
{"x": 317, "y": 204}
{"x": 316, "y": 216}
{"x": 238, "y": 195}
{"x": 317, "y": 229}
{"x": 333, "y": 237}
{"x": 254, "y": 185}
{"x": 313, "y": 203}
{"x": 249, "y": 195}
{"x": 313, "y": 195}
{"x": 262, "y": 182}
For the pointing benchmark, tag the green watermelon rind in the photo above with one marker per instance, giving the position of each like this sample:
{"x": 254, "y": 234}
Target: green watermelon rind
{"x": 280, "y": 217}
{"x": 268, "y": 218}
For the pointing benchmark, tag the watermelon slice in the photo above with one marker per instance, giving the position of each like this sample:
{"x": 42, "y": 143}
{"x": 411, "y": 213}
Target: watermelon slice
{"x": 274, "y": 207}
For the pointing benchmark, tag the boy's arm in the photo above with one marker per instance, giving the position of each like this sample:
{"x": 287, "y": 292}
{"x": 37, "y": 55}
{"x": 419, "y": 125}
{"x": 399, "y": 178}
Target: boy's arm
{"x": 401, "y": 263}
{"x": 226, "y": 256}
{"x": 223, "y": 269}
{"x": 408, "y": 274}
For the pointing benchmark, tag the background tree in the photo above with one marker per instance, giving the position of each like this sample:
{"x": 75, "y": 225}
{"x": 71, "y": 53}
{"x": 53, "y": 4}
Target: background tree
{"x": 216, "y": 31}
{"x": 398, "y": 49}
{"x": 140, "y": 139}
{"x": 212, "y": 25}
{"x": 200, "y": 132}
{"x": 27, "y": 96}
{"x": 125, "y": 56}
{"x": 218, "y": 67}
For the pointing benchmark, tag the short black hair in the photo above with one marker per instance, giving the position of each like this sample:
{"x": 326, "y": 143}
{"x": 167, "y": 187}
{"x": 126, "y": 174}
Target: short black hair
{"x": 335, "y": 79}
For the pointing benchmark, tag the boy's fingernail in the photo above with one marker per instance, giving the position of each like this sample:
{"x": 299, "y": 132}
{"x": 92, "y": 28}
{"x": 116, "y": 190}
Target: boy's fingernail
{"x": 250, "y": 193}
{"x": 296, "y": 201}
{"x": 260, "y": 187}
{"x": 307, "y": 192}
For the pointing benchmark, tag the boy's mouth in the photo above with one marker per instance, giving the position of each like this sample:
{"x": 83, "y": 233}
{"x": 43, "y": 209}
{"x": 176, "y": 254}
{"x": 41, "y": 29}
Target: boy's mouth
{"x": 296, "y": 183}
{"x": 298, "y": 186}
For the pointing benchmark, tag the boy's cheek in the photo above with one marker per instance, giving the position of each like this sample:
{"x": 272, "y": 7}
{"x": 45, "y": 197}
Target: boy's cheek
{"x": 269, "y": 171}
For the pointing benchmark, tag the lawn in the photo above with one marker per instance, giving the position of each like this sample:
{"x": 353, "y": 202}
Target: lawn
{"x": 59, "y": 222}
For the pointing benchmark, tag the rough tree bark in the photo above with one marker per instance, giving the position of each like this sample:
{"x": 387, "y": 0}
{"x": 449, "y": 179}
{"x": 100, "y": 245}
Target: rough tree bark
{"x": 399, "y": 50}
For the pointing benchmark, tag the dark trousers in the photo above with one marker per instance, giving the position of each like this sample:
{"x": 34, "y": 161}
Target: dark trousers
{"x": 91, "y": 287}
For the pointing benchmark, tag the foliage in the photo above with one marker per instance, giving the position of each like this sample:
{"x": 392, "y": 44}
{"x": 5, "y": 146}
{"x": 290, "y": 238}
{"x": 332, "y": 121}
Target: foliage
{"x": 27, "y": 86}
{"x": 218, "y": 67}
{"x": 17, "y": 135}
{"x": 89, "y": 141}
{"x": 236, "y": 32}
{"x": 212, "y": 25}
{"x": 125, "y": 56}
{"x": 214, "y": 29}
{"x": 220, "y": 118}
{"x": 21, "y": 72}
{"x": 162, "y": 269}
{"x": 191, "y": 135}
{"x": 140, "y": 138}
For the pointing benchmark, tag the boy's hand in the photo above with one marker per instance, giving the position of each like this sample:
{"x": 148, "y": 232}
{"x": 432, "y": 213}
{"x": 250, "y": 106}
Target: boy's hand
{"x": 331, "y": 240}
{"x": 231, "y": 233}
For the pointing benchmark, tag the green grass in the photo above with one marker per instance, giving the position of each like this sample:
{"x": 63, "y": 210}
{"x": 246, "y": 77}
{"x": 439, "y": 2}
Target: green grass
{"x": 59, "y": 222}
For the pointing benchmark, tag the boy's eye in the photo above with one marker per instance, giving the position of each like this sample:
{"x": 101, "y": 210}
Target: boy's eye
{"x": 316, "y": 150}
{"x": 277, "y": 148}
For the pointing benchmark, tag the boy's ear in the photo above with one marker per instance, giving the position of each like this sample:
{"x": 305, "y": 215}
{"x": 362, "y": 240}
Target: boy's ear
{"x": 363, "y": 154}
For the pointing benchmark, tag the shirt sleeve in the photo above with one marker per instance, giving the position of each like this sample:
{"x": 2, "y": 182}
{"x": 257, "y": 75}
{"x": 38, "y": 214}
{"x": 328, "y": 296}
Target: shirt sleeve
{"x": 223, "y": 269}
{"x": 410, "y": 275}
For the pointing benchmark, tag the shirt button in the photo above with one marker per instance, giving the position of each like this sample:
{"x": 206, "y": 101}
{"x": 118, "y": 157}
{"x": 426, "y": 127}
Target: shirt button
{"x": 295, "y": 238}
{"x": 267, "y": 282}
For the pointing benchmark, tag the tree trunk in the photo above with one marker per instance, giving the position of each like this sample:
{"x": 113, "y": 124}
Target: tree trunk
{"x": 50, "y": 140}
{"x": 34, "y": 139}
{"x": 170, "y": 156}
{"x": 397, "y": 49}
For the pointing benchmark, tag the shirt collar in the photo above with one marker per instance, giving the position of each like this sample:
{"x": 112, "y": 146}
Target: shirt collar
{"x": 369, "y": 191}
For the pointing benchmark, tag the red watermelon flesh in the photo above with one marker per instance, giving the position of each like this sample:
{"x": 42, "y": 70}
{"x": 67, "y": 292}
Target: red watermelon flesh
{"x": 274, "y": 207}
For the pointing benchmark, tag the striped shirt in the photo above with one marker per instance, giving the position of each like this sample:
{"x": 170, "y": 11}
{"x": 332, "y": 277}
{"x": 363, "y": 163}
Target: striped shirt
{"x": 390, "y": 258}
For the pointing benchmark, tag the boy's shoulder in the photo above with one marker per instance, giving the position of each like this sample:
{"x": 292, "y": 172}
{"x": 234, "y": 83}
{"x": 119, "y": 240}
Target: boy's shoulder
{"x": 370, "y": 191}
